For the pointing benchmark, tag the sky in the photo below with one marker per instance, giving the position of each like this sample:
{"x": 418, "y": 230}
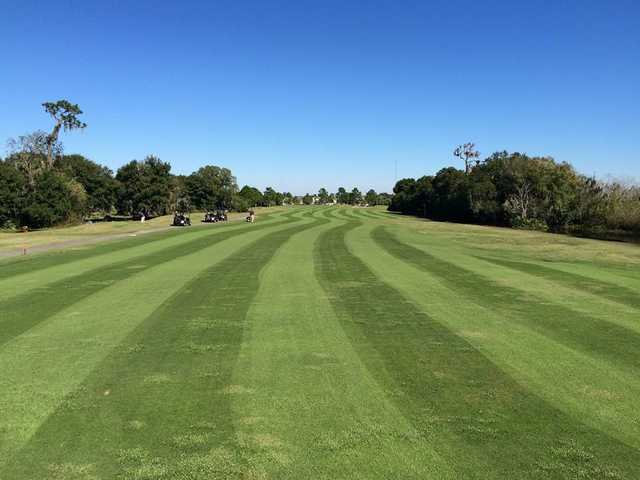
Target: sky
{"x": 300, "y": 95}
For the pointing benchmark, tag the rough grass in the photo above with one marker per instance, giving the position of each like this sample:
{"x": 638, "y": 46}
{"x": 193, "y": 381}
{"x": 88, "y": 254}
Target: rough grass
{"x": 322, "y": 343}
{"x": 89, "y": 232}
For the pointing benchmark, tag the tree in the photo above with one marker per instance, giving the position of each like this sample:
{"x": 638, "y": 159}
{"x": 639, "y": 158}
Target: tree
{"x": 252, "y": 196}
{"x": 423, "y": 199}
{"x": 271, "y": 197}
{"x": 97, "y": 181}
{"x": 519, "y": 204}
{"x": 178, "y": 192}
{"x": 507, "y": 189}
{"x": 355, "y": 197}
{"x": 384, "y": 198}
{"x": 55, "y": 200}
{"x": 211, "y": 188}
{"x": 371, "y": 197}
{"x": 65, "y": 115}
{"x": 288, "y": 198}
{"x": 240, "y": 204}
{"x": 29, "y": 153}
{"x": 144, "y": 187}
{"x": 342, "y": 196}
{"x": 467, "y": 153}
{"x": 12, "y": 190}
{"x": 591, "y": 204}
{"x": 622, "y": 206}
{"x": 183, "y": 205}
{"x": 307, "y": 199}
{"x": 403, "y": 198}
{"x": 323, "y": 196}
{"x": 451, "y": 195}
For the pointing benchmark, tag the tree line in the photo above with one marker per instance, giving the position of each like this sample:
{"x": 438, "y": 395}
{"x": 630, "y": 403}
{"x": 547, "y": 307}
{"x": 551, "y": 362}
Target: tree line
{"x": 516, "y": 190}
{"x": 74, "y": 188}
{"x": 252, "y": 197}
{"x": 40, "y": 186}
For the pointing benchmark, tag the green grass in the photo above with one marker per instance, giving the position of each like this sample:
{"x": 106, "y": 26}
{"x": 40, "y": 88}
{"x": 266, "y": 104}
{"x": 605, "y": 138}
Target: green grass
{"x": 323, "y": 343}
{"x": 91, "y": 232}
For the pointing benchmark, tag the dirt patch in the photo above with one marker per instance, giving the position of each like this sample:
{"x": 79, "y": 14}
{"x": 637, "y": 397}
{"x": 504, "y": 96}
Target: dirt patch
{"x": 189, "y": 440}
{"x": 266, "y": 440}
{"x": 473, "y": 334}
{"x": 249, "y": 420}
{"x": 236, "y": 390}
{"x": 135, "y": 425}
{"x": 72, "y": 471}
{"x": 157, "y": 379}
{"x": 599, "y": 393}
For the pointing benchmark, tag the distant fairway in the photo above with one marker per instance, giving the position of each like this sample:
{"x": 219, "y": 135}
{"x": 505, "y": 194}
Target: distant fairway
{"x": 323, "y": 343}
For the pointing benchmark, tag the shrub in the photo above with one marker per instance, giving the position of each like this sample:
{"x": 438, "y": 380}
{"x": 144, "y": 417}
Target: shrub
{"x": 529, "y": 224}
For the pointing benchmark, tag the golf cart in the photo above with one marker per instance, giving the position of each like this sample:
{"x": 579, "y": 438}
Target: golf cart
{"x": 181, "y": 220}
{"x": 219, "y": 216}
{"x": 209, "y": 218}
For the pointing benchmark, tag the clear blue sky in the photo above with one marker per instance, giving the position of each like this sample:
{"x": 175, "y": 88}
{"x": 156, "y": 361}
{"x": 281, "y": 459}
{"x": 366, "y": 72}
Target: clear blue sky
{"x": 300, "y": 94}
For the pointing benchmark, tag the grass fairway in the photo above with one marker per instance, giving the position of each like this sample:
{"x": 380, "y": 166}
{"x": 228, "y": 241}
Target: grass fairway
{"x": 323, "y": 343}
{"x": 17, "y": 243}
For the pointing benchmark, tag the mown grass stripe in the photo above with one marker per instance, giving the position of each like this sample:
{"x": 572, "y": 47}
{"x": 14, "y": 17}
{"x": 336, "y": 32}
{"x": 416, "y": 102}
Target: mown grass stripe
{"x": 379, "y": 214}
{"x": 365, "y": 213}
{"x": 17, "y": 284}
{"x": 343, "y": 213}
{"x": 327, "y": 211}
{"x": 610, "y": 291}
{"x": 465, "y": 247}
{"x": 10, "y": 267}
{"x": 299, "y": 369}
{"x": 34, "y": 306}
{"x": 43, "y": 365}
{"x": 534, "y": 287}
{"x": 586, "y": 387}
{"x": 349, "y": 412}
{"x": 167, "y": 412}
{"x": 575, "y": 329}
{"x": 610, "y": 273}
{"x": 452, "y": 393}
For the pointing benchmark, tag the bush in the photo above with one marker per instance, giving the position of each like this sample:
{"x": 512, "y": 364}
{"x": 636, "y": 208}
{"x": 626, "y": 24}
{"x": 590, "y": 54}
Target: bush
{"x": 7, "y": 224}
{"x": 529, "y": 224}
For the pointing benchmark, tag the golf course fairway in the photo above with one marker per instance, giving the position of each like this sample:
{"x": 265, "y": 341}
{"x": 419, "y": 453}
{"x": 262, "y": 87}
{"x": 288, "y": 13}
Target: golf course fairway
{"x": 323, "y": 343}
